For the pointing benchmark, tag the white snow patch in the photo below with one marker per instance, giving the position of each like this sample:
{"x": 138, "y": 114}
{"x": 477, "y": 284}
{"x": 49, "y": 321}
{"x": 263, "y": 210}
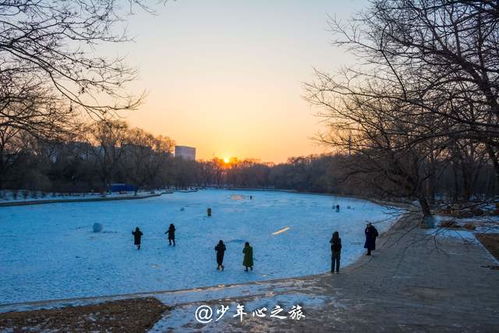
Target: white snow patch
{"x": 50, "y": 252}
{"x": 464, "y": 235}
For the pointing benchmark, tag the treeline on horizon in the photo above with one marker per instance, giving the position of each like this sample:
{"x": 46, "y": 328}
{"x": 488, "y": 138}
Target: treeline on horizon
{"x": 416, "y": 116}
{"x": 109, "y": 151}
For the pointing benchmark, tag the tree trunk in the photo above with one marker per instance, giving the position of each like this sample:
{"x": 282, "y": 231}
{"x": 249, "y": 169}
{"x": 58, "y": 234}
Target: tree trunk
{"x": 467, "y": 182}
{"x": 495, "y": 163}
{"x": 425, "y": 207}
{"x": 428, "y": 220}
{"x": 455, "y": 193}
{"x": 430, "y": 186}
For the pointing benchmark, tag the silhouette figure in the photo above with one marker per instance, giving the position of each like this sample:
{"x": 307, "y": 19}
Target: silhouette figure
{"x": 220, "y": 248}
{"x": 137, "y": 236}
{"x": 335, "y": 252}
{"x": 248, "y": 257}
{"x": 171, "y": 235}
{"x": 371, "y": 234}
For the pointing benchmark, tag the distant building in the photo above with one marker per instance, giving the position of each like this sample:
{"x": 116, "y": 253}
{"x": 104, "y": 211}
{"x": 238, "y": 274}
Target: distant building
{"x": 187, "y": 153}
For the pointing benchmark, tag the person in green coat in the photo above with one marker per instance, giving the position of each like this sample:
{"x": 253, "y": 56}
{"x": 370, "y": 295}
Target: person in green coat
{"x": 248, "y": 257}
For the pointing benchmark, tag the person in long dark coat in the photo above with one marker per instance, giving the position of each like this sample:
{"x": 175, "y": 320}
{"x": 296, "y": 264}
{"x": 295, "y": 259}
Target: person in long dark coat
{"x": 335, "y": 251}
{"x": 137, "y": 236}
{"x": 371, "y": 234}
{"x": 220, "y": 248}
{"x": 248, "y": 257}
{"x": 171, "y": 235}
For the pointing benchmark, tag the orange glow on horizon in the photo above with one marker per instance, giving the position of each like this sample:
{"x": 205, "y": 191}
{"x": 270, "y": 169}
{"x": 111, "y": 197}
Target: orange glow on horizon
{"x": 220, "y": 95}
{"x": 226, "y": 162}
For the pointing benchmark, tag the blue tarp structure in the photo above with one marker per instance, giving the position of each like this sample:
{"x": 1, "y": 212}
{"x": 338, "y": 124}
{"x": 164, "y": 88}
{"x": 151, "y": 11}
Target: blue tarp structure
{"x": 122, "y": 187}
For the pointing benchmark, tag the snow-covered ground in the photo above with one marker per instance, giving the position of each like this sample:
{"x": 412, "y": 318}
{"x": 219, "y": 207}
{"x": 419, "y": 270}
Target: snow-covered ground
{"x": 50, "y": 252}
{"x": 483, "y": 225}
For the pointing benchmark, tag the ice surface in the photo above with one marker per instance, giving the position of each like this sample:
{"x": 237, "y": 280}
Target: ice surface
{"x": 50, "y": 252}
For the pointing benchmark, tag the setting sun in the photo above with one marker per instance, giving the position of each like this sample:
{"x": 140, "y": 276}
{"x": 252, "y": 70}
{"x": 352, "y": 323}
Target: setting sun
{"x": 226, "y": 160}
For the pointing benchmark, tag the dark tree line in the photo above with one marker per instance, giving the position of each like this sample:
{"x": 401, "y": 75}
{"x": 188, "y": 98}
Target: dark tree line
{"x": 456, "y": 181}
{"x": 102, "y": 153}
{"x": 108, "y": 152}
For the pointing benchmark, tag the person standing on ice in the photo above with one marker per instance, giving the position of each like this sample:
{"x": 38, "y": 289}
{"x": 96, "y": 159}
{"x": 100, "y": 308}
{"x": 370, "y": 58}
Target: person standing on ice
{"x": 248, "y": 257}
{"x": 137, "y": 236}
{"x": 171, "y": 235}
{"x": 335, "y": 252}
{"x": 220, "y": 248}
{"x": 371, "y": 234}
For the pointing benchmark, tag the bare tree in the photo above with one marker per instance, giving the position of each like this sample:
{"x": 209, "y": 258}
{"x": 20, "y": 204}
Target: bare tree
{"x": 375, "y": 130}
{"x": 427, "y": 82}
{"x": 52, "y": 42}
{"x": 145, "y": 156}
{"x": 443, "y": 56}
{"x": 108, "y": 138}
{"x": 11, "y": 146}
{"x": 29, "y": 109}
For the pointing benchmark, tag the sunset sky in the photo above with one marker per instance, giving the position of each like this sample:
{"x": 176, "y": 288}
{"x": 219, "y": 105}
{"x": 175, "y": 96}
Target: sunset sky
{"x": 226, "y": 76}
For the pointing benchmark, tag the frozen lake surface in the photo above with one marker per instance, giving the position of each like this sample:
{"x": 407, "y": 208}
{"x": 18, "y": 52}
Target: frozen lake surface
{"x": 50, "y": 252}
